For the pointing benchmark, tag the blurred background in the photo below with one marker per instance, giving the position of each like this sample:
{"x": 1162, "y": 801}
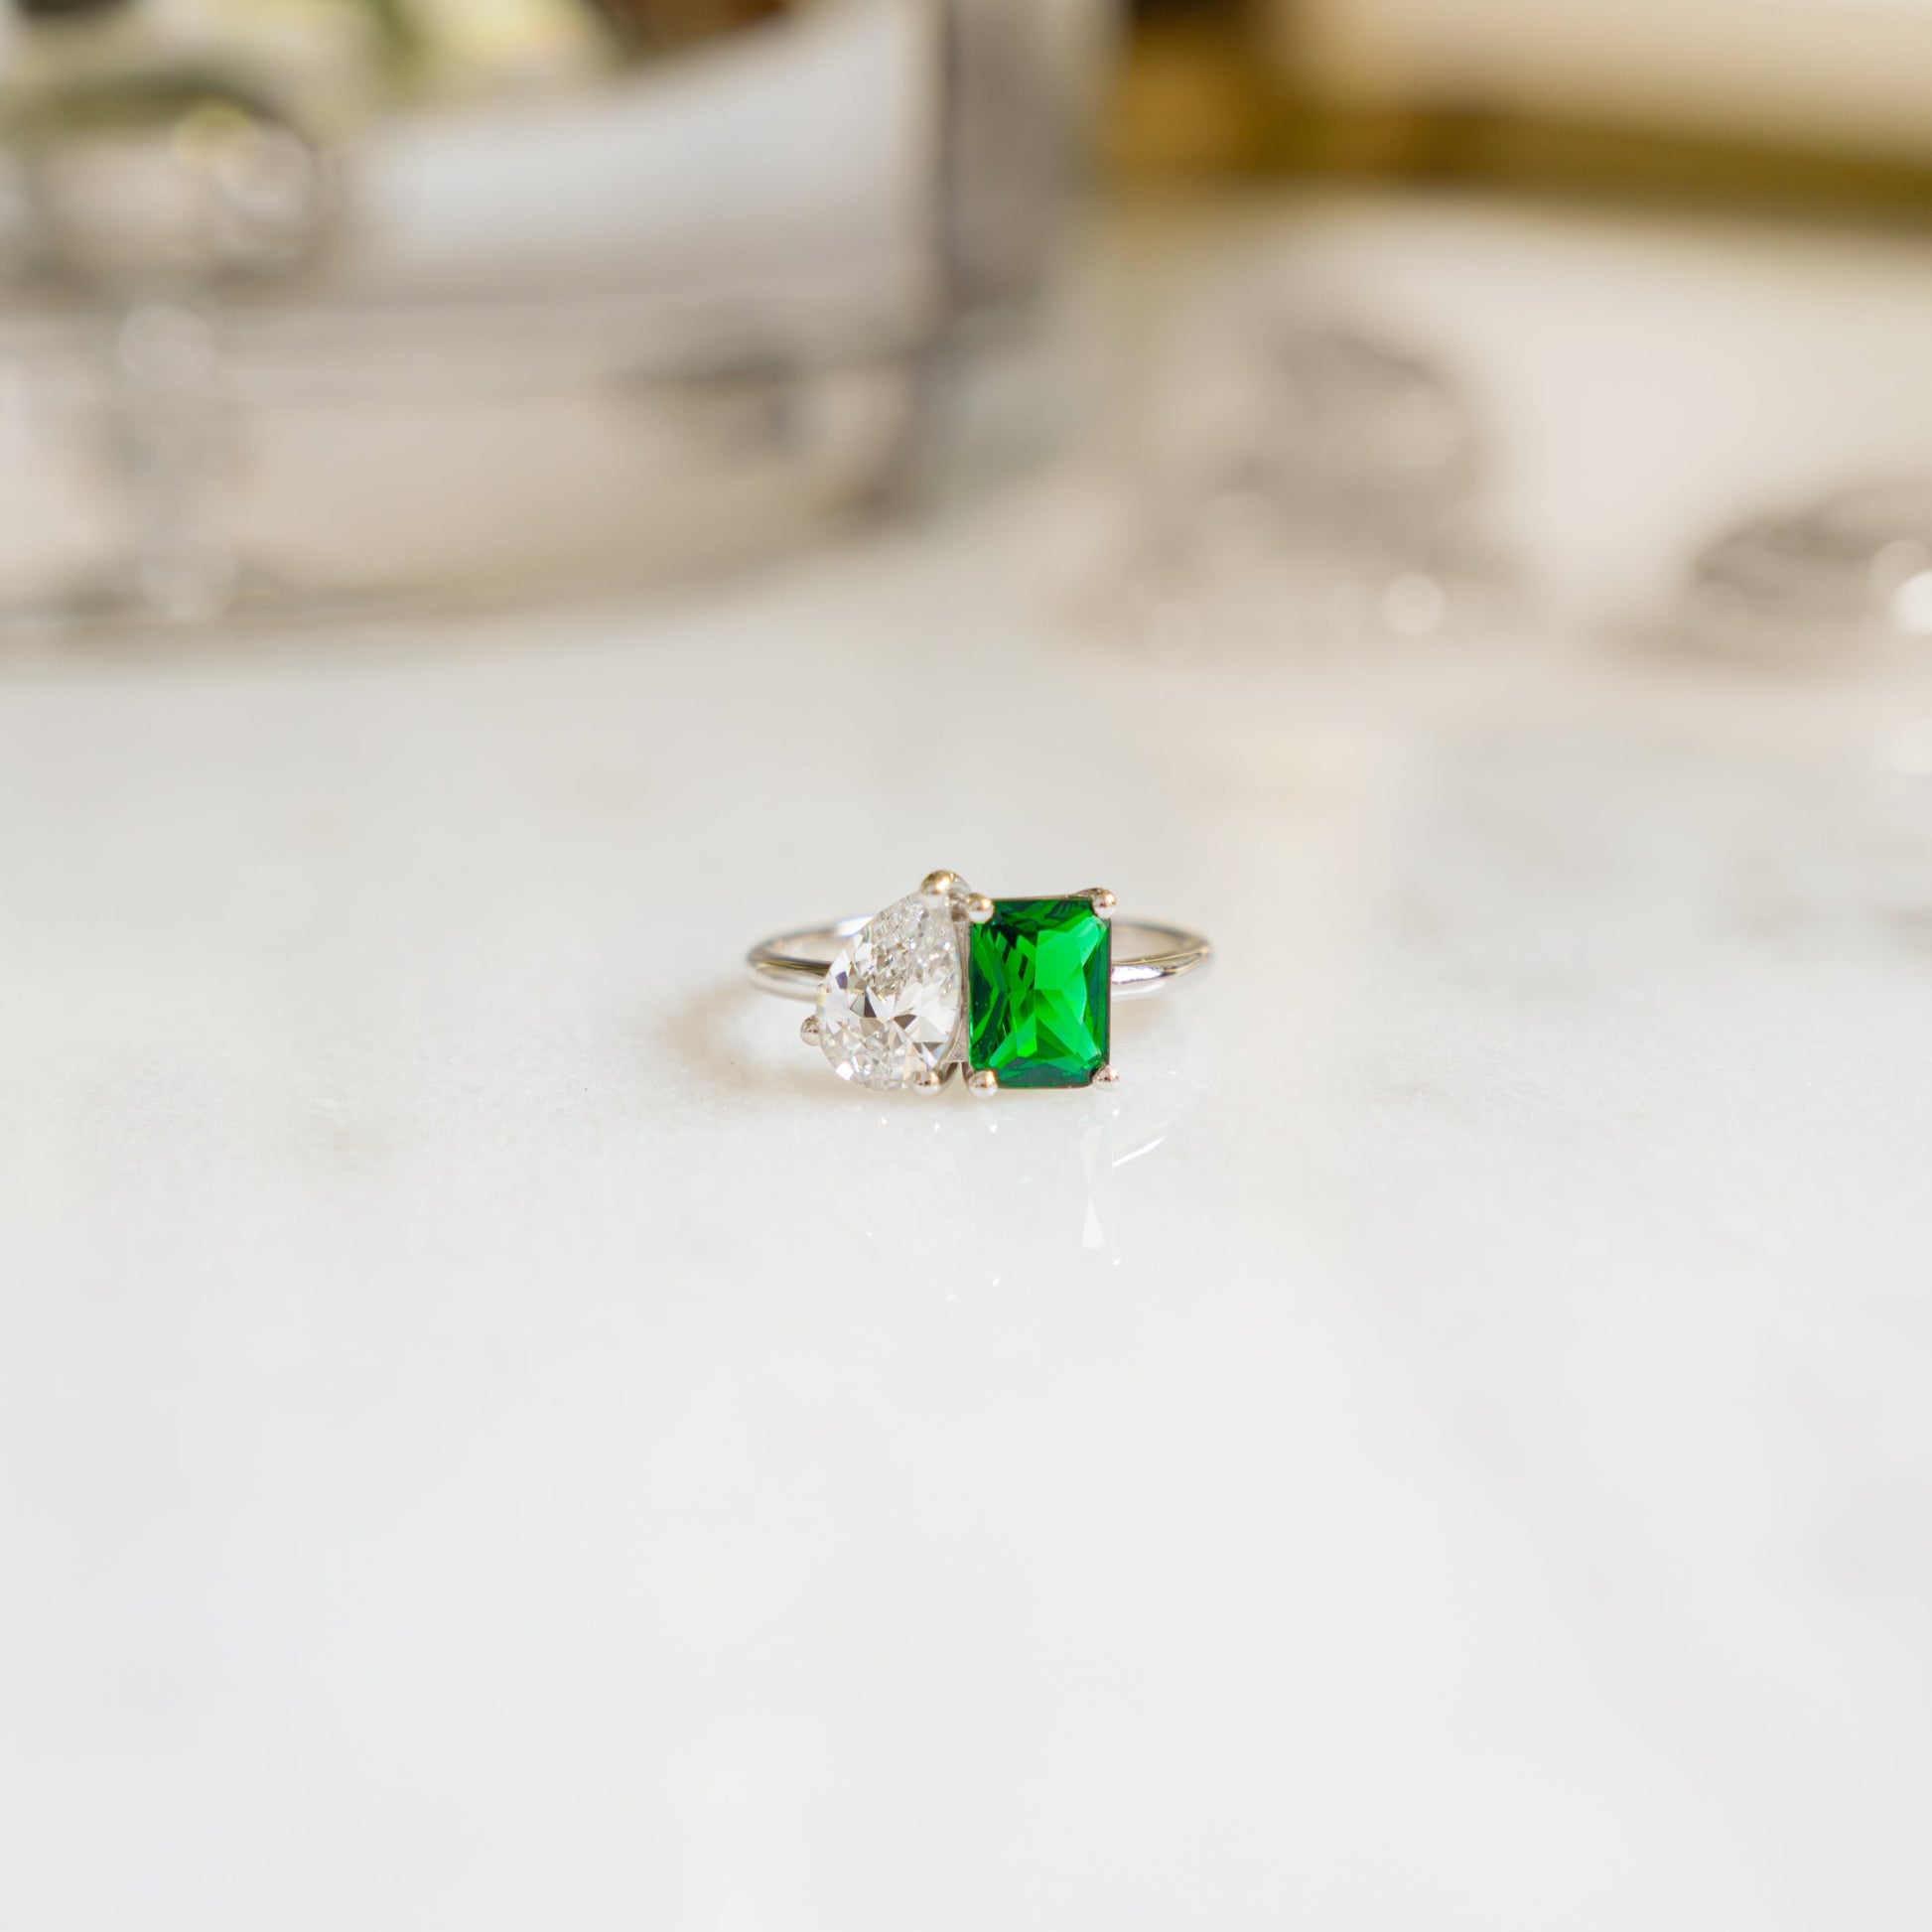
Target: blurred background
{"x": 327, "y": 308}
{"x": 505, "y": 502}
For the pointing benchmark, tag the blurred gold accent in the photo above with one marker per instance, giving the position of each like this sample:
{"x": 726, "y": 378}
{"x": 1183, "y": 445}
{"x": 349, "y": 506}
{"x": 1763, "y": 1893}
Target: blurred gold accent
{"x": 650, "y": 26}
{"x": 1195, "y": 97}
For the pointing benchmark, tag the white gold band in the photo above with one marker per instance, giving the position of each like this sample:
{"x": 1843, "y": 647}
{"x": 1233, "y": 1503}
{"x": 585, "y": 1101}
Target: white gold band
{"x": 1146, "y": 958}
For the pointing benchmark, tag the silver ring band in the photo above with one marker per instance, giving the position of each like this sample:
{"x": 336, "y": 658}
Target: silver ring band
{"x": 1146, "y": 958}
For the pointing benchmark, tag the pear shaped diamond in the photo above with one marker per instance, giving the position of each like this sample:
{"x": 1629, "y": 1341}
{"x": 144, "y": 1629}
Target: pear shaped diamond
{"x": 889, "y": 1008}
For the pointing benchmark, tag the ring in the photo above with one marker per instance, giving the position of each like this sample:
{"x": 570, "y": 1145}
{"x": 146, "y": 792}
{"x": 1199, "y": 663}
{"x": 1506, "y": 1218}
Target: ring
{"x": 1019, "y": 992}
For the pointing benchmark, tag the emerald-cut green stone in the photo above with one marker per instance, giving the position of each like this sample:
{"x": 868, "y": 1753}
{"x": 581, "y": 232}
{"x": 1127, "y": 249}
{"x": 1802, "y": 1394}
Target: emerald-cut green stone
{"x": 1040, "y": 978}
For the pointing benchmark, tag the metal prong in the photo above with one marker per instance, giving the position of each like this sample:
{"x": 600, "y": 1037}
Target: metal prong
{"x": 979, "y": 909}
{"x": 982, "y": 1082}
{"x": 945, "y": 883}
{"x": 931, "y": 1080}
{"x": 808, "y": 1029}
{"x": 1103, "y": 903}
{"x": 1106, "y": 1077}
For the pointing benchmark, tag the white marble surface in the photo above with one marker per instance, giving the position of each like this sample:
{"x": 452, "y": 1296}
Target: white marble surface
{"x": 491, "y": 1435}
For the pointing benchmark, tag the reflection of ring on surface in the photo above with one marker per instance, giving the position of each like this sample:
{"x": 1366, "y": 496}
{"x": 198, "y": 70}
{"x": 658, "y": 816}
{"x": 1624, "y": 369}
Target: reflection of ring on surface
{"x": 1018, "y": 991}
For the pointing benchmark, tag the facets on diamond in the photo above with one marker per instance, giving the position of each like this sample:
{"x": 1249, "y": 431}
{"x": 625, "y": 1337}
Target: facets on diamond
{"x": 889, "y": 1008}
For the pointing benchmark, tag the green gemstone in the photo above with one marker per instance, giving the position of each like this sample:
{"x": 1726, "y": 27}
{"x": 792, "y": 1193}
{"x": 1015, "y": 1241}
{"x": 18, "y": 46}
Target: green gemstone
{"x": 1040, "y": 978}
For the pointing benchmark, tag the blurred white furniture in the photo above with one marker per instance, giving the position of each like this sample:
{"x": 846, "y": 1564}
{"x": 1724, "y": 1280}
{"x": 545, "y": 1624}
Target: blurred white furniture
{"x": 526, "y": 319}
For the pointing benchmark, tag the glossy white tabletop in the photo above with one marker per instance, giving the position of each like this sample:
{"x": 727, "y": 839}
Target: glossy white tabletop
{"x": 493, "y": 1435}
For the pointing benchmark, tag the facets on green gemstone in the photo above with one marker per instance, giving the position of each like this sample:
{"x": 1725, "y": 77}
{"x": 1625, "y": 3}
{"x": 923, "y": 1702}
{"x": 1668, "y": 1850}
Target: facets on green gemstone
{"x": 1040, "y": 973}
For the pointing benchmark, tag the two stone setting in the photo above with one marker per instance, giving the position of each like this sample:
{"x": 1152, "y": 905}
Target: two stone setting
{"x": 1017, "y": 992}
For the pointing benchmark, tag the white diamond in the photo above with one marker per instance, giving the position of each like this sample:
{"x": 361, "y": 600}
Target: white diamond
{"x": 889, "y": 1008}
